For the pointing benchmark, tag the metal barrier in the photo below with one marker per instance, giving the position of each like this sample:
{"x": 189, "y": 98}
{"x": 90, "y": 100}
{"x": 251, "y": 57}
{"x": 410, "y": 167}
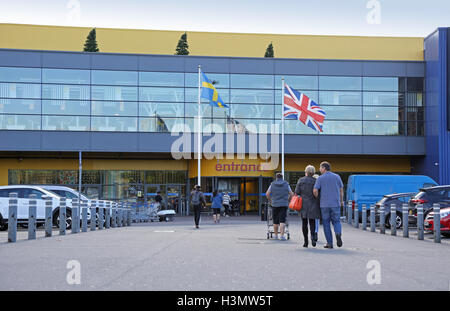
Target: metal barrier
{"x": 405, "y": 220}
{"x": 101, "y": 213}
{"x": 48, "y": 217}
{"x": 382, "y": 219}
{"x": 356, "y": 220}
{"x": 349, "y": 212}
{"x": 437, "y": 223}
{"x": 372, "y": 218}
{"x": 84, "y": 211}
{"x": 62, "y": 216}
{"x": 420, "y": 226}
{"x": 12, "y": 220}
{"x": 75, "y": 216}
{"x": 393, "y": 218}
{"x": 32, "y": 210}
{"x": 364, "y": 217}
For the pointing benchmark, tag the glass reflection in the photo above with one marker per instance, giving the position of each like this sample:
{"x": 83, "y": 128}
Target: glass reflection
{"x": 243, "y": 81}
{"x": 114, "y": 124}
{"x": 68, "y": 107}
{"x": 161, "y": 79}
{"x": 15, "y": 74}
{"x": 339, "y": 98}
{"x": 65, "y": 123}
{"x": 381, "y": 128}
{"x": 219, "y": 80}
{"x": 340, "y": 83}
{"x": 108, "y": 108}
{"x": 66, "y": 76}
{"x": 20, "y": 106}
{"x": 20, "y": 122}
{"x": 20, "y": 90}
{"x": 161, "y": 94}
{"x": 110, "y": 77}
{"x": 114, "y": 93}
{"x": 53, "y": 91}
{"x": 161, "y": 109}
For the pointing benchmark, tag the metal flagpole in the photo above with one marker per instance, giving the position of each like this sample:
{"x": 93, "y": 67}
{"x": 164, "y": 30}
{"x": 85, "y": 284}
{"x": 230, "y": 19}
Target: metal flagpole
{"x": 80, "y": 167}
{"x": 282, "y": 127}
{"x": 199, "y": 135}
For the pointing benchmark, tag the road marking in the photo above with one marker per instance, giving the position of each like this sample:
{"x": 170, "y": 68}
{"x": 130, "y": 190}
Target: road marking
{"x": 164, "y": 231}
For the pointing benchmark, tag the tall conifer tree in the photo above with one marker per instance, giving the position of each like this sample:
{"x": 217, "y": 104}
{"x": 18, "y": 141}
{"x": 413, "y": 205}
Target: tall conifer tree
{"x": 91, "y": 42}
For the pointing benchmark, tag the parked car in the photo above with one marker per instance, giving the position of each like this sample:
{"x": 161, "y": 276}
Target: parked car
{"x": 398, "y": 199}
{"x": 369, "y": 189}
{"x": 445, "y": 222}
{"x": 429, "y": 196}
{"x": 23, "y": 194}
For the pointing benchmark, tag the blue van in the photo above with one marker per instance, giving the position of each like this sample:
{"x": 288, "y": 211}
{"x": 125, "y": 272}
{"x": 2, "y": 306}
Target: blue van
{"x": 369, "y": 189}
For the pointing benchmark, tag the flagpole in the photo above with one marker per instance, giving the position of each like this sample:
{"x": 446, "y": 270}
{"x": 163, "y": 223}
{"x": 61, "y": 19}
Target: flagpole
{"x": 199, "y": 135}
{"x": 282, "y": 127}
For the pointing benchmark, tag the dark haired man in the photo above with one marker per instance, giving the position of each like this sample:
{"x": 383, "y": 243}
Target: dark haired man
{"x": 331, "y": 199}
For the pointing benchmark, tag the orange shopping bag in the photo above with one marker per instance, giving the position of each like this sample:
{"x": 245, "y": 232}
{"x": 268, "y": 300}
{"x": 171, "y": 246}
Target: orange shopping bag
{"x": 296, "y": 203}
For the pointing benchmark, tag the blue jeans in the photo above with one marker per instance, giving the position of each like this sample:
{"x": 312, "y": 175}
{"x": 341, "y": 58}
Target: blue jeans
{"x": 331, "y": 214}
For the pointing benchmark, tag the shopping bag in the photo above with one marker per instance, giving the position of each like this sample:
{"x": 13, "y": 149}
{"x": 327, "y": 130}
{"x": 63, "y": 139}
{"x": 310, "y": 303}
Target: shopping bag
{"x": 296, "y": 203}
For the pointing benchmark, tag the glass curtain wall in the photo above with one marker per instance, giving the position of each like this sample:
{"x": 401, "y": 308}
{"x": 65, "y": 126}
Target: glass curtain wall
{"x": 131, "y": 101}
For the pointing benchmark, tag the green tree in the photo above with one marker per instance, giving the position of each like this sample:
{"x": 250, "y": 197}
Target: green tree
{"x": 182, "y": 47}
{"x": 91, "y": 42}
{"x": 269, "y": 51}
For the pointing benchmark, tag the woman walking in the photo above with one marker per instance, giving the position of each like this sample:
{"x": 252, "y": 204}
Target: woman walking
{"x": 216, "y": 206}
{"x": 310, "y": 208}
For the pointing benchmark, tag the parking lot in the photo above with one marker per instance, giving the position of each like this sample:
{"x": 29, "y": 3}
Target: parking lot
{"x": 232, "y": 255}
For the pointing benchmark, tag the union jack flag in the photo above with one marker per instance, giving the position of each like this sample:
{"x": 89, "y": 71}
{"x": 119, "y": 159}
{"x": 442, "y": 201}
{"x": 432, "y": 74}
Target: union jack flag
{"x": 298, "y": 106}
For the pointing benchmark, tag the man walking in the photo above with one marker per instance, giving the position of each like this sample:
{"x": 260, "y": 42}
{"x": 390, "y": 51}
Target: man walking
{"x": 197, "y": 200}
{"x": 279, "y": 194}
{"x": 226, "y": 204}
{"x": 331, "y": 199}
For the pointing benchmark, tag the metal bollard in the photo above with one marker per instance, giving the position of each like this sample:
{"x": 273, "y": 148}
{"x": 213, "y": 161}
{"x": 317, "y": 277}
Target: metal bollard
{"x": 101, "y": 212}
{"x": 405, "y": 214}
{"x": 437, "y": 223}
{"x": 129, "y": 217}
{"x": 393, "y": 218}
{"x": 32, "y": 217}
{"x": 84, "y": 212}
{"x": 108, "y": 215}
{"x": 75, "y": 216}
{"x": 356, "y": 220}
{"x": 382, "y": 219}
{"x": 62, "y": 216}
{"x": 372, "y": 218}
{"x": 420, "y": 228}
{"x": 12, "y": 218}
{"x": 93, "y": 216}
{"x": 119, "y": 219}
{"x": 350, "y": 212}
{"x": 364, "y": 217}
{"x": 48, "y": 216}
{"x": 114, "y": 216}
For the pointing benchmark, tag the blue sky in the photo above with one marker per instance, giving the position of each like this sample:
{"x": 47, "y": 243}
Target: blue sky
{"x": 415, "y": 18}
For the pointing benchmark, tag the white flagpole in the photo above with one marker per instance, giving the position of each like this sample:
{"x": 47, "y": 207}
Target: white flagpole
{"x": 199, "y": 135}
{"x": 282, "y": 127}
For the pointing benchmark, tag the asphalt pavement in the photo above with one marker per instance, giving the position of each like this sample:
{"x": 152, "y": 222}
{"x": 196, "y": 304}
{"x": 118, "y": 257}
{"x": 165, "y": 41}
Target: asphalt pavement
{"x": 233, "y": 255}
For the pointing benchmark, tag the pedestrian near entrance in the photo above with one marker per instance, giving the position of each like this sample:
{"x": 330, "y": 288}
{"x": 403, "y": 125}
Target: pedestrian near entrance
{"x": 279, "y": 194}
{"x": 331, "y": 199}
{"x": 310, "y": 205}
{"x": 198, "y": 201}
{"x": 216, "y": 206}
{"x": 158, "y": 200}
{"x": 226, "y": 204}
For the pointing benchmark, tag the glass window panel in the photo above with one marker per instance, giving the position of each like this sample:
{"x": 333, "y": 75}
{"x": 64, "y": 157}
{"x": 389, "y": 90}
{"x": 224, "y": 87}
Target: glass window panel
{"x": 339, "y": 98}
{"x": 155, "y": 177}
{"x": 214, "y": 126}
{"x": 68, "y": 76}
{"x": 221, "y": 113}
{"x": 110, "y": 77}
{"x": 341, "y": 128}
{"x": 161, "y": 94}
{"x": 420, "y": 114}
{"x": 147, "y": 124}
{"x": 192, "y": 110}
{"x": 20, "y": 122}
{"x": 238, "y": 125}
{"x": 219, "y": 80}
{"x": 65, "y": 123}
{"x": 415, "y": 84}
{"x": 53, "y": 91}
{"x": 382, "y": 99}
{"x": 19, "y": 106}
{"x": 342, "y": 112}
{"x": 252, "y": 96}
{"x": 296, "y": 127}
{"x": 192, "y": 95}
{"x": 414, "y": 99}
{"x": 68, "y": 107}
{"x": 314, "y": 95}
{"x": 381, "y": 128}
{"x": 165, "y": 125}
{"x": 20, "y": 90}
{"x": 122, "y": 177}
{"x": 381, "y": 113}
{"x": 380, "y": 84}
{"x": 420, "y": 128}
{"x": 13, "y": 74}
{"x": 114, "y": 124}
{"x": 109, "y": 108}
{"x": 114, "y": 93}
{"x": 161, "y": 109}
{"x": 252, "y": 81}
{"x": 253, "y": 111}
{"x": 298, "y": 82}
{"x": 340, "y": 83}
{"x": 161, "y": 79}
{"x": 411, "y": 114}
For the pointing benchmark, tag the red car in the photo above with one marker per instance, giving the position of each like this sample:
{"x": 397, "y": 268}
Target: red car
{"x": 445, "y": 222}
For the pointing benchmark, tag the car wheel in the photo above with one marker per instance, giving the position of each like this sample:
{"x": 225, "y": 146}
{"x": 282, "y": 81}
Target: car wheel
{"x": 3, "y": 225}
{"x": 398, "y": 220}
{"x": 68, "y": 219}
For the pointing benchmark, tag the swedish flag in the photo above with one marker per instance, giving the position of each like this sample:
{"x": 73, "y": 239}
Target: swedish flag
{"x": 210, "y": 93}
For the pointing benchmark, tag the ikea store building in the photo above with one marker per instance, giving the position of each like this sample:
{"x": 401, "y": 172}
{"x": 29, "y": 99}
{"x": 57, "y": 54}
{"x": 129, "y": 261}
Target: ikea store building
{"x": 386, "y": 99}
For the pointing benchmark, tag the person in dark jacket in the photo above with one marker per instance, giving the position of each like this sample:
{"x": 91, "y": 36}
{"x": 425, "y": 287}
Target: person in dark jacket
{"x": 279, "y": 194}
{"x": 310, "y": 206}
{"x": 197, "y": 201}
